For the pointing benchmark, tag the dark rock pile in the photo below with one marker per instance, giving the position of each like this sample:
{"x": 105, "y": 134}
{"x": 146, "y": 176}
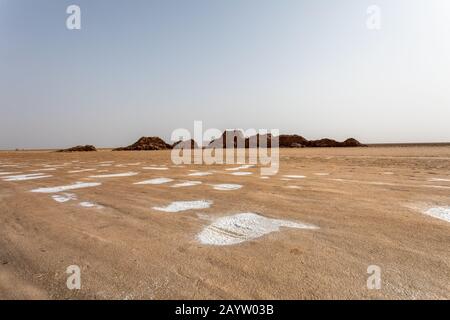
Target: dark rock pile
{"x": 236, "y": 139}
{"x": 330, "y": 143}
{"x": 285, "y": 141}
{"x": 292, "y": 141}
{"x": 79, "y": 148}
{"x": 188, "y": 144}
{"x": 146, "y": 143}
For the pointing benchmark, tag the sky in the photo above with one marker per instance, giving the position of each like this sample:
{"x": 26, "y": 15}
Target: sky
{"x": 145, "y": 68}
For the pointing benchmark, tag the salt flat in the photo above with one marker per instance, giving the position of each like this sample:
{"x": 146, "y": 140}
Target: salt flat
{"x": 309, "y": 237}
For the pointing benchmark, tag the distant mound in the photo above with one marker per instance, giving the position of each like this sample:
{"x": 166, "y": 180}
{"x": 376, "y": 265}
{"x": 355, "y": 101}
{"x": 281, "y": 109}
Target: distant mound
{"x": 351, "y": 142}
{"x": 330, "y": 143}
{"x": 185, "y": 144}
{"x": 237, "y": 139}
{"x": 324, "y": 143}
{"x": 146, "y": 143}
{"x": 79, "y": 148}
{"x": 259, "y": 140}
{"x": 292, "y": 141}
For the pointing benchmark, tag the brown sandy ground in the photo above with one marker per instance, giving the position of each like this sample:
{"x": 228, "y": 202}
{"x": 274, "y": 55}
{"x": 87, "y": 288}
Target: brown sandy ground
{"x": 127, "y": 250}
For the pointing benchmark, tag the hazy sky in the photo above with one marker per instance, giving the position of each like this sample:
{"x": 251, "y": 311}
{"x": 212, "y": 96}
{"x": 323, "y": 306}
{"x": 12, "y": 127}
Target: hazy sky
{"x": 144, "y": 68}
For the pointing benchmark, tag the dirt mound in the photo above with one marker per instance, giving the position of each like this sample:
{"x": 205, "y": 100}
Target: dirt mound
{"x": 185, "y": 144}
{"x": 330, "y": 143}
{"x": 351, "y": 142}
{"x": 259, "y": 140}
{"x": 295, "y": 141}
{"x": 79, "y": 148}
{"x": 292, "y": 141}
{"x": 146, "y": 143}
{"x": 237, "y": 139}
{"x": 324, "y": 143}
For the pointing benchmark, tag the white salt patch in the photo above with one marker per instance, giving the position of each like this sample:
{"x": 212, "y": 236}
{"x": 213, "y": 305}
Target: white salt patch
{"x": 246, "y": 166}
{"x": 442, "y": 213}
{"x": 155, "y": 181}
{"x": 439, "y": 179}
{"x": 380, "y": 183}
{"x": 77, "y": 185}
{"x": 294, "y": 177}
{"x": 8, "y": 173}
{"x": 286, "y": 179}
{"x": 61, "y": 198}
{"x": 293, "y": 187}
{"x": 226, "y": 187}
{"x": 155, "y": 168}
{"x": 204, "y": 217}
{"x": 241, "y": 173}
{"x": 105, "y": 165}
{"x": 264, "y": 177}
{"x": 178, "y": 206}
{"x": 115, "y": 175}
{"x": 322, "y": 174}
{"x": 437, "y": 187}
{"x": 242, "y": 227}
{"x": 46, "y": 169}
{"x": 133, "y": 164}
{"x": 186, "y": 184}
{"x": 90, "y": 205}
{"x": 25, "y": 177}
{"x": 200, "y": 174}
{"x": 81, "y": 170}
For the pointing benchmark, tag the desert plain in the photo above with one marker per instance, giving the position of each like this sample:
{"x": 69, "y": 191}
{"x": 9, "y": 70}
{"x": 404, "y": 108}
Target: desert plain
{"x": 140, "y": 227}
